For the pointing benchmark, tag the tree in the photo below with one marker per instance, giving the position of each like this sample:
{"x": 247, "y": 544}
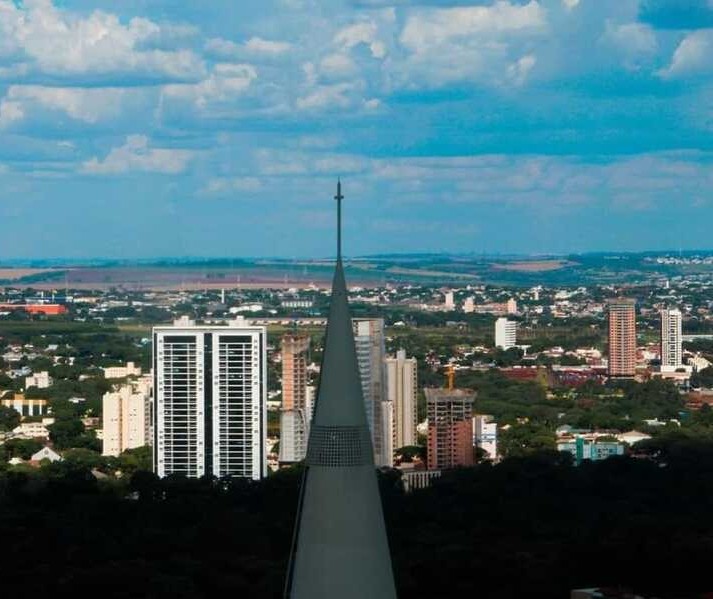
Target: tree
{"x": 9, "y": 418}
{"x": 703, "y": 378}
{"x": 409, "y": 452}
{"x": 22, "y": 448}
{"x": 525, "y": 439}
{"x": 65, "y": 431}
{"x": 83, "y": 458}
{"x": 134, "y": 460}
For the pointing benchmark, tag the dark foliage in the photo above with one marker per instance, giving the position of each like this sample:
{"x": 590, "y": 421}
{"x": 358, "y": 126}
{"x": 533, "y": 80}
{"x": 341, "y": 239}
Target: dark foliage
{"x": 530, "y": 527}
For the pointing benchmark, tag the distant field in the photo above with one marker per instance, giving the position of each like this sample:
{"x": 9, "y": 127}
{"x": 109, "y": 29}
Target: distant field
{"x": 534, "y": 266}
{"x": 12, "y": 274}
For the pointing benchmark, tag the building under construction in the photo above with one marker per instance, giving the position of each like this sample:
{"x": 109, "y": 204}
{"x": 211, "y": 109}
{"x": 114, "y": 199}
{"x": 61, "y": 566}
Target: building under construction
{"x": 450, "y": 427}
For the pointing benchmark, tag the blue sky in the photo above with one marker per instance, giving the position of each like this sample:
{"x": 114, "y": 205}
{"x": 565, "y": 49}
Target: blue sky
{"x": 147, "y": 128}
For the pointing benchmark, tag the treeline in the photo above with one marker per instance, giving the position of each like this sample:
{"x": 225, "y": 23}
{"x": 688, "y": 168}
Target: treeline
{"x": 528, "y": 527}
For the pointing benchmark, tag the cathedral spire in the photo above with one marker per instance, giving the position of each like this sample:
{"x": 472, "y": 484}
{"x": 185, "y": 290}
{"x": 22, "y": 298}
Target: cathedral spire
{"x": 340, "y": 547}
{"x": 339, "y": 197}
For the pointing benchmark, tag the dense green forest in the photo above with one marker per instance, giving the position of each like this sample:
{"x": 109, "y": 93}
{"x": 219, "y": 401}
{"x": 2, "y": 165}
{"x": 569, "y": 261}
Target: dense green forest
{"x": 534, "y": 526}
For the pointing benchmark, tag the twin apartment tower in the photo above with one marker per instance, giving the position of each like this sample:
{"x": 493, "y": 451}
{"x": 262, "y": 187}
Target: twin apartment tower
{"x": 210, "y": 413}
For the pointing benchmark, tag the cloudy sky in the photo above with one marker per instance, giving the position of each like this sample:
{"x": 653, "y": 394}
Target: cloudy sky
{"x": 146, "y": 128}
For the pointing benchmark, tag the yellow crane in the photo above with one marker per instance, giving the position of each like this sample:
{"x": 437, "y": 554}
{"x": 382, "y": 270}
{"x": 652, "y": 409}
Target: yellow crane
{"x": 450, "y": 376}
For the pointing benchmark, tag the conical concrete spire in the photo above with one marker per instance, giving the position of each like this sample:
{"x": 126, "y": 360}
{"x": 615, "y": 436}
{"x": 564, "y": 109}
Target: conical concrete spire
{"x": 340, "y": 548}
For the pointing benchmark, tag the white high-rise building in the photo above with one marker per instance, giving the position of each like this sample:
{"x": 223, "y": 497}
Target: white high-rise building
{"x": 371, "y": 354}
{"x": 469, "y": 305}
{"x": 485, "y": 434}
{"x": 210, "y": 409}
{"x": 450, "y": 303}
{"x": 126, "y": 418}
{"x": 401, "y": 380}
{"x": 505, "y": 333}
{"x": 671, "y": 339}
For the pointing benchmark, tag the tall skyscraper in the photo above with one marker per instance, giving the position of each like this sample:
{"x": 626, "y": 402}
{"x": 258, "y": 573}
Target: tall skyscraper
{"x": 340, "y": 547}
{"x": 126, "y": 418}
{"x": 210, "y": 400}
{"x": 296, "y": 413}
{"x": 401, "y": 380}
{"x": 671, "y": 339}
{"x": 371, "y": 354}
{"x": 505, "y": 333}
{"x": 622, "y": 338}
{"x": 450, "y": 428}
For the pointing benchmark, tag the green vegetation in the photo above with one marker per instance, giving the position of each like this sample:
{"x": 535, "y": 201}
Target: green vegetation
{"x": 535, "y": 522}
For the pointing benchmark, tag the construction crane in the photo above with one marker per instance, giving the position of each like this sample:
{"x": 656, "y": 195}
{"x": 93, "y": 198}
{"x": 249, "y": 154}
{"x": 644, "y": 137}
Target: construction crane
{"x": 450, "y": 376}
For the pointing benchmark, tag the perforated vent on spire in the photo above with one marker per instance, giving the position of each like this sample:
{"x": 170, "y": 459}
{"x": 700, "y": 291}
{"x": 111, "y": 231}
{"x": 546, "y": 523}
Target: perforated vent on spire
{"x": 339, "y": 446}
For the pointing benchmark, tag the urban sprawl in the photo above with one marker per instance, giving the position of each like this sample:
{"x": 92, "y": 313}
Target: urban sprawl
{"x": 222, "y": 382}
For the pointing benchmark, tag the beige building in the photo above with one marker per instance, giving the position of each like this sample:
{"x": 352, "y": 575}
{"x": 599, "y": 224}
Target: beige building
{"x": 622, "y": 338}
{"x": 126, "y": 419}
{"x": 401, "y": 390}
{"x": 33, "y": 430}
{"x": 120, "y": 372}
{"x": 24, "y": 406}
{"x": 41, "y": 380}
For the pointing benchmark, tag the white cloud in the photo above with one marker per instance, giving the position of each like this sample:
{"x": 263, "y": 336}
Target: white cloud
{"x": 89, "y": 105}
{"x": 361, "y": 33}
{"x": 10, "y": 112}
{"x": 226, "y": 82}
{"x": 337, "y": 65}
{"x": 635, "y": 42}
{"x": 326, "y": 96}
{"x": 570, "y": 4}
{"x": 229, "y": 184}
{"x": 692, "y": 56}
{"x": 519, "y": 70}
{"x": 471, "y": 43}
{"x": 218, "y": 46}
{"x": 63, "y": 44}
{"x": 430, "y": 28}
{"x": 136, "y": 156}
{"x": 263, "y": 46}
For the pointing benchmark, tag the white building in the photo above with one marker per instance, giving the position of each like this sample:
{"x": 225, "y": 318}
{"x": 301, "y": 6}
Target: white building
{"x": 120, "y": 372}
{"x": 401, "y": 381}
{"x": 511, "y": 306}
{"x": 469, "y": 305}
{"x": 46, "y": 454}
{"x": 41, "y": 380}
{"x": 505, "y": 333}
{"x": 671, "y": 339}
{"x": 450, "y": 303}
{"x": 210, "y": 393}
{"x": 33, "y": 430}
{"x": 371, "y": 354}
{"x": 294, "y": 430}
{"x": 126, "y": 419}
{"x": 485, "y": 434}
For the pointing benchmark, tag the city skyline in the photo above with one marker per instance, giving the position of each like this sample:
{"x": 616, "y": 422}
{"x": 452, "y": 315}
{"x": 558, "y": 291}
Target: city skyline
{"x": 114, "y": 118}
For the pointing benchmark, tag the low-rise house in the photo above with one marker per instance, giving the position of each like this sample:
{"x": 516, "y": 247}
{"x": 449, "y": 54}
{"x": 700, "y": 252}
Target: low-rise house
{"x": 46, "y": 453}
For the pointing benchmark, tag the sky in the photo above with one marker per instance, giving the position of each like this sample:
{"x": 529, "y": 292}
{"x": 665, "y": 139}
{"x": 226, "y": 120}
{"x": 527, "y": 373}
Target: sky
{"x": 155, "y": 128}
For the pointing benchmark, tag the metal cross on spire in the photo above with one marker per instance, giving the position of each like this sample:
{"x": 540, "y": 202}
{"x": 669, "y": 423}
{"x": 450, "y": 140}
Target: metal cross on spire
{"x": 339, "y": 197}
